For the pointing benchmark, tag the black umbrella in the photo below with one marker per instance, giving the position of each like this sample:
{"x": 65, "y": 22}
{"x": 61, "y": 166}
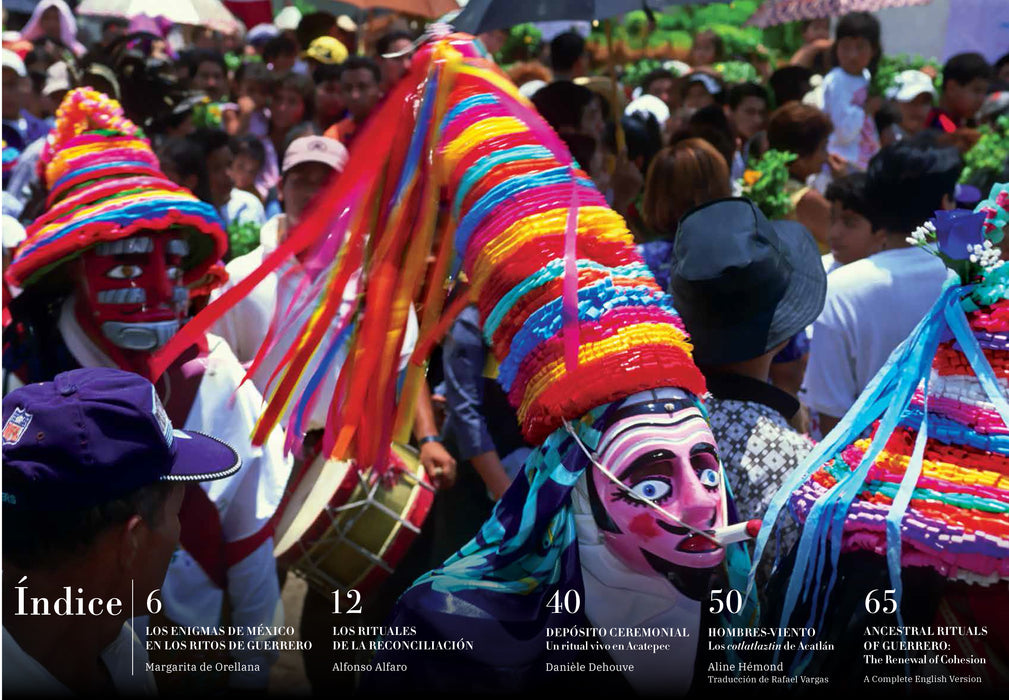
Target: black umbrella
{"x": 485, "y": 15}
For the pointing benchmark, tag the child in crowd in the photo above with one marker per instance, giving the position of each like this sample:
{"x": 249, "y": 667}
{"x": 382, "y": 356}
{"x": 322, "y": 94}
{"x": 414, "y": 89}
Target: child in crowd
{"x": 708, "y": 48}
{"x": 329, "y": 106}
{"x": 248, "y": 158}
{"x": 701, "y": 89}
{"x": 290, "y": 105}
{"x": 846, "y": 89}
{"x": 851, "y": 235}
{"x": 914, "y": 94}
{"x": 965, "y": 79}
{"x": 233, "y": 205}
{"x": 280, "y": 54}
{"x": 747, "y": 113}
{"x": 254, "y": 84}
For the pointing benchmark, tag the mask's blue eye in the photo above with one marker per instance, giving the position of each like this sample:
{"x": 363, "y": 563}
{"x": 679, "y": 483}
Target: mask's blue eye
{"x": 652, "y": 489}
{"x": 709, "y": 478}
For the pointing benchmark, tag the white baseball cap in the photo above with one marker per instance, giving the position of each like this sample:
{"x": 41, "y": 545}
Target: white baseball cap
{"x": 315, "y": 149}
{"x": 14, "y": 62}
{"x": 908, "y": 84}
{"x": 287, "y": 19}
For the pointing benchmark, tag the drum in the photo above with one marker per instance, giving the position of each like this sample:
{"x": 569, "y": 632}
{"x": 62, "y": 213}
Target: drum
{"x": 343, "y": 529}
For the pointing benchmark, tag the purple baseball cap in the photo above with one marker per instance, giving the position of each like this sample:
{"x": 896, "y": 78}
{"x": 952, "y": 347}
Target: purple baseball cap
{"x": 94, "y": 435}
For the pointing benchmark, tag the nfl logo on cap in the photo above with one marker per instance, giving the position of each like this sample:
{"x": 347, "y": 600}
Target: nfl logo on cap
{"x": 16, "y": 426}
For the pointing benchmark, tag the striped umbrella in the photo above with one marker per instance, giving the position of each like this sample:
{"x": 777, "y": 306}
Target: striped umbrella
{"x": 775, "y": 12}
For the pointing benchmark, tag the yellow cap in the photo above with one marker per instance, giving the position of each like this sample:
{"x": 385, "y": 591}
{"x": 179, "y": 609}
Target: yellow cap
{"x": 326, "y": 49}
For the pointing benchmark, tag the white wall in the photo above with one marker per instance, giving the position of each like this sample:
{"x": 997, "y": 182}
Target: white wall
{"x": 946, "y": 27}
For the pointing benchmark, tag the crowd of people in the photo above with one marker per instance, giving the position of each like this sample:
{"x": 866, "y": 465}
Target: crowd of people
{"x": 155, "y": 170}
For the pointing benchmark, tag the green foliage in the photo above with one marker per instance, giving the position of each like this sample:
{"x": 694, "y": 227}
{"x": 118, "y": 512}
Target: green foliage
{"x": 737, "y": 72}
{"x": 242, "y": 238}
{"x": 305, "y": 7}
{"x": 739, "y": 41}
{"x": 207, "y": 114}
{"x": 890, "y": 66}
{"x": 764, "y": 183}
{"x": 523, "y": 43}
{"x": 986, "y": 161}
{"x": 636, "y": 24}
{"x": 634, "y": 73}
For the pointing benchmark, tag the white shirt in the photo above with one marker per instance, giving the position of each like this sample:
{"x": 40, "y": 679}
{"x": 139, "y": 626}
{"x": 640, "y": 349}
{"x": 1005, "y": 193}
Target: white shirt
{"x": 245, "y": 326}
{"x": 872, "y": 305}
{"x": 125, "y": 658}
{"x": 245, "y": 502}
{"x": 242, "y": 207}
{"x": 848, "y": 116}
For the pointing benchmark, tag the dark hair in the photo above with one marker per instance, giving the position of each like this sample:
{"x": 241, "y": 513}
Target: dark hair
{"x": 256, "y": 73}
{"x": 385, "y": 41}
{"x": 34, "y": 539}
{"x": 849, "y": 192}
{"x": 642, "y": 136}
{"x": 657, "y": 74}
{"x": 582, "y": 147}
{"x": 719, "y": 139}
{"x": 565, "y": 50}
{"x": 210, "y": 140}
{"x": 798, "y": 128}
{"x": 326, "y": 72}
{"x": 187, "y": 157}
{"x": 312, "y": 26}
{"x": 906, "y": 181}
{"x": 738, "y": 93}
{"x": 997, "y": 66}
{"x": 789, "y": 84}
{"x": 200, "y": 56}
{"x": 248, "y": 145}
{"x": 301, "y": 84}
{"x": 859, "y": 25}
{"x": 886, "y": 116}
{"x": 280, "y": 45}
{"x": 359, "y": 62}
{"x": 965, "y": 67}
{"x": 562, "y": 103}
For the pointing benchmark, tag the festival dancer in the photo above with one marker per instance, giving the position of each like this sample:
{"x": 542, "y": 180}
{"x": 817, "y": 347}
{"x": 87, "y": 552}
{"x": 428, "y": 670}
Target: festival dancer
{"x": 107, "y": 273}
{"x": 624, "y": 501}
{"x": 907, "y": 530}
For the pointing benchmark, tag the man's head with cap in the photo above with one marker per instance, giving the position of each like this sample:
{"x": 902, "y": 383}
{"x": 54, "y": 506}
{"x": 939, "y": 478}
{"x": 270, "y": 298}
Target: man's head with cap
{"x": 93, "y": 477}
{"x": 309, "y": 163}
{"x": 914, "y": 93}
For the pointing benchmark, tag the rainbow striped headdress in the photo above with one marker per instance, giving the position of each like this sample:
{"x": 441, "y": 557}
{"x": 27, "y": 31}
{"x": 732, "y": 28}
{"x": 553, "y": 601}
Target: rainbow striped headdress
{"x": 461, "y": 168}
{"x": 104, "y": 183}
{"x": 930, "y": 487}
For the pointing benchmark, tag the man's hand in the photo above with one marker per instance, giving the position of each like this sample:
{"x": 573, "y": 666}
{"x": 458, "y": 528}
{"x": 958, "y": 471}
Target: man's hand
{"x": 438, "y": 463}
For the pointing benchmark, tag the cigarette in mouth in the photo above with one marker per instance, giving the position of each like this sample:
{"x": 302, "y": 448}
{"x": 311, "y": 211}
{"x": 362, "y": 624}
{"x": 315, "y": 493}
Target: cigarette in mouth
{"x": 740, "y": 532}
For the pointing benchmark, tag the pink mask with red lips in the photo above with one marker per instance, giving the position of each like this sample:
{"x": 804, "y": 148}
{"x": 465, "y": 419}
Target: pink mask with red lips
{"x": 660, "y": 447}
{"x": 133, "y": 289}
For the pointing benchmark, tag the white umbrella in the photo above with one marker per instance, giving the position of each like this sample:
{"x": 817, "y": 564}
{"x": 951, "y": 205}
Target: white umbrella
{"x": 205, "y": 13}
